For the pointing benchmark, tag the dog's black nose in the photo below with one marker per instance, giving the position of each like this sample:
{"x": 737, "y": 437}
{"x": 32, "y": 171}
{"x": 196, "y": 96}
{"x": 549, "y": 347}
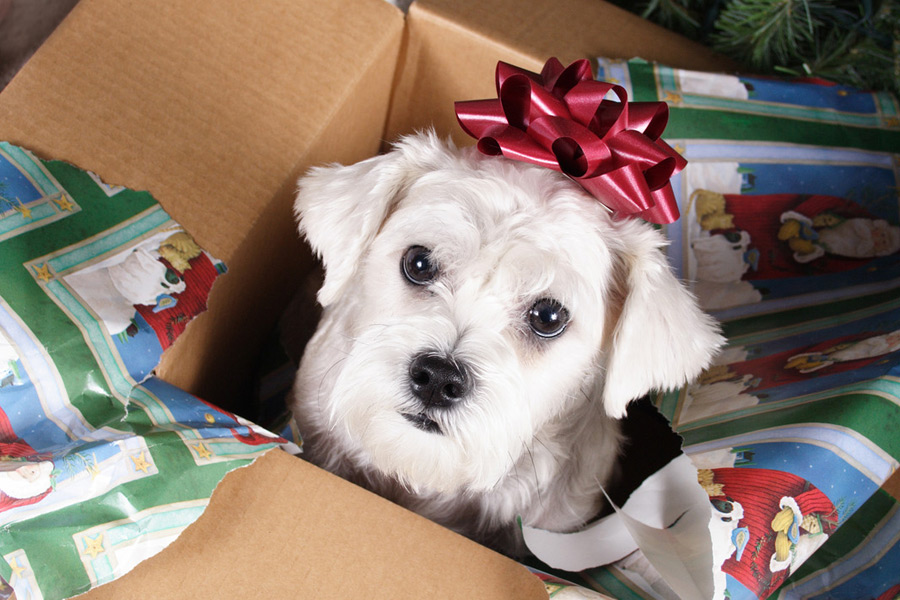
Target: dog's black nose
{"x": 438, "y": 381}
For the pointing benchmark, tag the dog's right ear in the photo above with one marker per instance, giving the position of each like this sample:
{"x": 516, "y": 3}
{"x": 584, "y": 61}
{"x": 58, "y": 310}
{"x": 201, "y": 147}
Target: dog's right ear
{"x": 340, "y": 209}
{"x": 662, "y": 339}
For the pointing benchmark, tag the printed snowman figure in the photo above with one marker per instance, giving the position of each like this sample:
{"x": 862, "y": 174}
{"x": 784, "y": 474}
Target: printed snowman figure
{"x": 24, "y": 477}
{"x": 9, "y": 367}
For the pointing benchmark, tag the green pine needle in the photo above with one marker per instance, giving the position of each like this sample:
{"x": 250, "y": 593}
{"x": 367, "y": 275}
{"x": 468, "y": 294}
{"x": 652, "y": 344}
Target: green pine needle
{"x": 855, "y": 43}
{"x": 765, "y": 33}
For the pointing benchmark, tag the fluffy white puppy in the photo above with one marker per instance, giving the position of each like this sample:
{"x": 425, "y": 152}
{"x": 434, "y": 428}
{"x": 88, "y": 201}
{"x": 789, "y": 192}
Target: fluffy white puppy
{"x": 485, "y": 323}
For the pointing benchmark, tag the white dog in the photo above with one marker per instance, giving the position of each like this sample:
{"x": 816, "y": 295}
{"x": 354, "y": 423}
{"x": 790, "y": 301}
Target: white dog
{"x": 485, "y": 323}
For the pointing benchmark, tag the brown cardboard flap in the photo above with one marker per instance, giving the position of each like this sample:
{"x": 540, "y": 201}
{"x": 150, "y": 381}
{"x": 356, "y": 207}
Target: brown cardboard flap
{"x": 215, "y": 108}
{"x": 282, "y": 528}
{"x": 453, "y": 48}
{"x": 201, "y": 103}
{"x": 575, "y": 29}
{"x": 442, "y": 63}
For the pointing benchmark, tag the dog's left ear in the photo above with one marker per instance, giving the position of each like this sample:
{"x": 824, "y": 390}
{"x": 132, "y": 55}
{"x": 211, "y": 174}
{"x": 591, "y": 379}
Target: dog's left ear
{"x": 341, "y": 208}
{"x": 662, "y": 340}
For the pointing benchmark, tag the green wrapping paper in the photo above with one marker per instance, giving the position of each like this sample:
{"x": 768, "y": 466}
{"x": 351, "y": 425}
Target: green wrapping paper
{"x": 790, "y": 235}
{"x": 101, "y": 463}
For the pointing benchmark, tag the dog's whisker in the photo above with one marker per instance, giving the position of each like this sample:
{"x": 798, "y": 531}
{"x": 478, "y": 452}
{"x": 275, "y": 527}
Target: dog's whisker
{"x": 324, "y": 379}
{"x": 552, "y": 454}
{"x": 515, "y": 468}
{"x": 537, "y": 482}
{"x": 591, "y": 402}
{"x": 383, "y": 326}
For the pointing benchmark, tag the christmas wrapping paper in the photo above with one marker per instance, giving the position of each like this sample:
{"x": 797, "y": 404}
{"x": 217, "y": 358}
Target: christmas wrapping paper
{"x": 101, "y": 463}
{"x": 790, "y": 235}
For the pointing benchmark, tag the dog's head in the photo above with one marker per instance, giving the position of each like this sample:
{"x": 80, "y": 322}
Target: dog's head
{"x": 478, "y": 301}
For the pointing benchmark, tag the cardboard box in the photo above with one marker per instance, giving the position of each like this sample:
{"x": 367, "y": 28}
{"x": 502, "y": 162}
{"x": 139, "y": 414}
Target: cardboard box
{"x": 216, "y": 108}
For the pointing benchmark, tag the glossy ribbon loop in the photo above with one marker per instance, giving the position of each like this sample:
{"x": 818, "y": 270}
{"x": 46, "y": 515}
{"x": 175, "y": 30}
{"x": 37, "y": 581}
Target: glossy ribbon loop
{"x": 565, "y": 120}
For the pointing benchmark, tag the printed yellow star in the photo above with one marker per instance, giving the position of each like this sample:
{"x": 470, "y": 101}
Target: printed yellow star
{"x": 672, "y": 97}
{"x": 209, "y": 418}
{"x": 202, "y": 451}
{"x": 26, "y": 212}
{"x": 93, "y": 469}
{"x": 140, "y": 463}
{"x": 63, "y": 203}
{"x": 17, "y": 569}
{"x": 552, "y": 588}
{"x": 43, "y": 272}
{"x": 94, "y": 546}
{"x": 679, "y": 148}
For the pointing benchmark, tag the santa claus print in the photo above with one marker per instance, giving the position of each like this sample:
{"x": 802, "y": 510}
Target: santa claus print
{"x": 767, "y": 523}
{"x": 870, "y": 347}
{"x": 24, "y": 477}
{"x": 746, "y": 243}
{"x": 785, "y": 235}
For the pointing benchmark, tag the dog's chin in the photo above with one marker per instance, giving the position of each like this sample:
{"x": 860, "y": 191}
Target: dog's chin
{"x": 424, "y": 453}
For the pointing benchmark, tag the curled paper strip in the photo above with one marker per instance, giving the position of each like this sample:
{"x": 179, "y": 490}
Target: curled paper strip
{"x": 562, "y": 120}
{"x": 667, "y": 517}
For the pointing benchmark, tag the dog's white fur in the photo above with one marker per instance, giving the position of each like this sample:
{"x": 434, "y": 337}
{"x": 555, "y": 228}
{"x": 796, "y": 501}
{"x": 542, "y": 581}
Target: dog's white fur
{"x": 538, "y": 434}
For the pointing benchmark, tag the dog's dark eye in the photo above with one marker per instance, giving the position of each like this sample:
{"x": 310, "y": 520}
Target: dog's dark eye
{"x": 417, "y": 266}
{"x": 548, "y": 318}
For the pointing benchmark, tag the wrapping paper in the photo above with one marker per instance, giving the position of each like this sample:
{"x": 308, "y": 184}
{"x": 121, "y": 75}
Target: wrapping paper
{"x": 101, "y": 463}
{"x": 790, "y": 235}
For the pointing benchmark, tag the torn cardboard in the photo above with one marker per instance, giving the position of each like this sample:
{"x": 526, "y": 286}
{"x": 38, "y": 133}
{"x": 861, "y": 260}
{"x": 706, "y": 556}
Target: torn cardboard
{"x": 97, "y": 280}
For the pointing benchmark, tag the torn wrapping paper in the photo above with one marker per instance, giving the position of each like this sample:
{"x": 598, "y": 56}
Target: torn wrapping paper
{"x": 790, "y": 235}
{"x": 101, "y": 464}
{"x": 561, "y": 589}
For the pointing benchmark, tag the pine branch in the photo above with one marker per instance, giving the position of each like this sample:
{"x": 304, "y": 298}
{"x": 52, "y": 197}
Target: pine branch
{"x": 856, "y": 42}
{"x": 676, "y": 15}
{"x": 682, "y": 16}
{"x": 766, "y": 33}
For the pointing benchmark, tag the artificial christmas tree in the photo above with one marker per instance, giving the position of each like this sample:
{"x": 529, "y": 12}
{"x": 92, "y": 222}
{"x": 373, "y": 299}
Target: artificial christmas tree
{"x": 854, "y": 43}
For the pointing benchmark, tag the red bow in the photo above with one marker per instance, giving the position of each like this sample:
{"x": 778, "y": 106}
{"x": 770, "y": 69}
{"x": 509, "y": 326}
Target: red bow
{"x": 560, "y": 120}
